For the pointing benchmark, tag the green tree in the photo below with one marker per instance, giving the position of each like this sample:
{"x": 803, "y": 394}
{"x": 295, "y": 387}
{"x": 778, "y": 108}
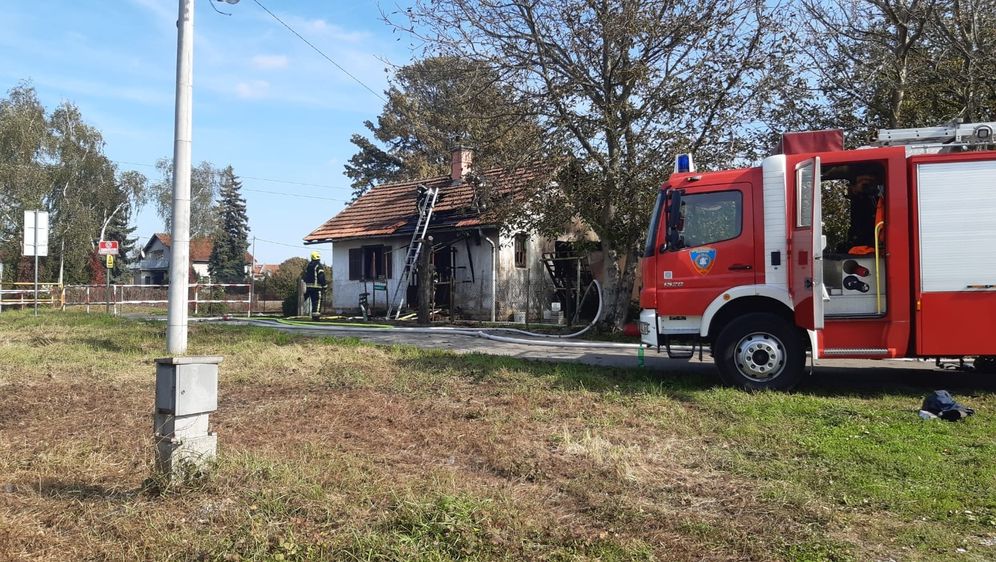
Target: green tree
{"x": 203, "y": 192}
{"x": 24, "y": 136}
{"x": 55, "y": 162}
{"x": 81, "y": 192}
{"x": 434, "y": 104}
{"x": 284, "y": 280}
{"x": 231, "y": 239}
{"x": 622, "y": 85}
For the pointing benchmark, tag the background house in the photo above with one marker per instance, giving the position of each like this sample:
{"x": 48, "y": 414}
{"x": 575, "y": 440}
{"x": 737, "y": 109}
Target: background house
{"x": 153, "y": 268}
{"x": 370, "y": 239}
{"x": 264, "y": 270}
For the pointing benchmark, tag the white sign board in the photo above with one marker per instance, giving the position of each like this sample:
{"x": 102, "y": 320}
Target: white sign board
{"x": 35, "y": 233}
{"x": 108, "y": 248}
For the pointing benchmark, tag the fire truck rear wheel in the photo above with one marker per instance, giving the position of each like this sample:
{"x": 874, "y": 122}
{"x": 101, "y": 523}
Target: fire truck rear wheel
{"x": 985, "y": 364}
{"x": 760, "y": 352}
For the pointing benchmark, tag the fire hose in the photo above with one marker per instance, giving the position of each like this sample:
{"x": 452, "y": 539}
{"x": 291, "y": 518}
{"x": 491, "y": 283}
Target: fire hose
{"x": 545, "y": 339}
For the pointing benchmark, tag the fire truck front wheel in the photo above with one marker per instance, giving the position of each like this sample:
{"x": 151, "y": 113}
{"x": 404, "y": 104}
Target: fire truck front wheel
{"x": 760, "y": 352}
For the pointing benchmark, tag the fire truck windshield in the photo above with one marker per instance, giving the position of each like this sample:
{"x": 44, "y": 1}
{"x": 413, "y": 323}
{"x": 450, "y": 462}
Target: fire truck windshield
{"x": 707, "y": 218}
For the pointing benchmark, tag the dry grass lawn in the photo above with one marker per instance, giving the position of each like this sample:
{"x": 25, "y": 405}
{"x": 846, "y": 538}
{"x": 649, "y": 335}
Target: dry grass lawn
{"x": 337, "y": 450}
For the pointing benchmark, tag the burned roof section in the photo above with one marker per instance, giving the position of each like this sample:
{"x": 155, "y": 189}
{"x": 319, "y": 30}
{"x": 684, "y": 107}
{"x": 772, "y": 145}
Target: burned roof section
{"x": 390, "y": 209}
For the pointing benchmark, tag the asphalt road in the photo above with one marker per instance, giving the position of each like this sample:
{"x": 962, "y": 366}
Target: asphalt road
{"x": 842, "y": 375}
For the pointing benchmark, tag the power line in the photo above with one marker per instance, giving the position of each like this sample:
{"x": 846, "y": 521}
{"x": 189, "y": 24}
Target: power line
{"x": 296, "y": 182}
{"x": 295, "y": 195}
{"x": 272, "y": 180}
{"x": 319, "y": 51}
{"x": 258, "y": 239}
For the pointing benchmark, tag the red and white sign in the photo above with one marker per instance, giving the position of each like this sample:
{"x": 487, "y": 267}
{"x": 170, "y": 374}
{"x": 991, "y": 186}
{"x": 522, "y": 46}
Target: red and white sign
{"x": 108, "y": 248}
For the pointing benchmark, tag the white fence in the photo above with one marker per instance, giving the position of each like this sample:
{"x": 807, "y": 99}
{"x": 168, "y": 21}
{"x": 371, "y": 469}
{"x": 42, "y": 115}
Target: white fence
{"x": 202, "y": 298}
{"x": 21, "y": 295}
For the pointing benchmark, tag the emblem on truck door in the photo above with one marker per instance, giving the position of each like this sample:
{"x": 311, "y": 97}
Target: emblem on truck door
{"x": 703, "y": 259}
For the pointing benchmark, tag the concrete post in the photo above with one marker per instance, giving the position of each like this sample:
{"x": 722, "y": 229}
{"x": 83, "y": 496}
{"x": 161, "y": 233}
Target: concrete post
{"x": 179, "y": 264}
{"x": 186, "y": 392}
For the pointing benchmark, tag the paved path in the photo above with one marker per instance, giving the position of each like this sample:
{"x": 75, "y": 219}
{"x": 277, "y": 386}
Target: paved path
{"x": 846, "y": 373}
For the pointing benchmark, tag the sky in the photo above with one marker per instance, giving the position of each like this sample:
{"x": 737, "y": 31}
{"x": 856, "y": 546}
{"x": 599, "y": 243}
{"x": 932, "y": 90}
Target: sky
{"x": 264, "y": 101}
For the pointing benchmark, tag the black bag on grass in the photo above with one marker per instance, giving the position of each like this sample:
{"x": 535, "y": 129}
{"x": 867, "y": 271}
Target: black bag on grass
{"x": 941, "y": 404}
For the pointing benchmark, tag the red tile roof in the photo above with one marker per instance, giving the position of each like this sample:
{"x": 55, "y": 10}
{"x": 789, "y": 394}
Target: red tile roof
{"x": 200, "y": 248}
{"x": 266, "y": 269}
{"x": 389, "y": 209}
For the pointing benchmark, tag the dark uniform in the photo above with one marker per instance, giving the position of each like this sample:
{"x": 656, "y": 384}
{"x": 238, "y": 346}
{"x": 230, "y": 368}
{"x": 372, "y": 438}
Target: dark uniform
{"x": 315, "y": 284}
{"x": 863, "y": 195}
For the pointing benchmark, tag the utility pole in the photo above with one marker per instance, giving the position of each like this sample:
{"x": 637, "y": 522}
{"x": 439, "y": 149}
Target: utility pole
{"x": 176, "y": 318}
{"x": 36, "y": 262}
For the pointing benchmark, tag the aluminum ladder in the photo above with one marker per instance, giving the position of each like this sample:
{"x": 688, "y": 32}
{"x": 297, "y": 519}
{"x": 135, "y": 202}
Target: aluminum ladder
{"x": 946, "y": 138}
{"x": 426, "y": 203}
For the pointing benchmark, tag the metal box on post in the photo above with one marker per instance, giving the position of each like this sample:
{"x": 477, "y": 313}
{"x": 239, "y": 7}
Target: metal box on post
{"x": 186, "y": 393}
{"x": 184, "y": 388}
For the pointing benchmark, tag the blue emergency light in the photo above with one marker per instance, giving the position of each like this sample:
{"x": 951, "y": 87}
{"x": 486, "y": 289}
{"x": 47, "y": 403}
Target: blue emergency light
{"x": 683, "y": 164}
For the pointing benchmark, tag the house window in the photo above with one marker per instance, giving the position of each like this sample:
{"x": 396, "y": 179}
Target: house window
{"x": 370, "y": 263}
{"x": 519, "y": 250}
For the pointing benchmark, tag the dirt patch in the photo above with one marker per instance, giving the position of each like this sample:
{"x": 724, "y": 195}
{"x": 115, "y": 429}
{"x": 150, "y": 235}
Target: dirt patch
{"x": 75, "y": 458}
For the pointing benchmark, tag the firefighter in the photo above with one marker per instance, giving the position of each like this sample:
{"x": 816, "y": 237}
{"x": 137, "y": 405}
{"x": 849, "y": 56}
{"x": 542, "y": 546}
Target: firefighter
{"x": 864, "y": 194}
{"x": 421, "y": 194}
{"x": 315, "y": 284}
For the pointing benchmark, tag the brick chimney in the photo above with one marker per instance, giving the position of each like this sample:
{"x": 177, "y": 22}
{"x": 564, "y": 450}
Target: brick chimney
{"x": 461, "y": 158}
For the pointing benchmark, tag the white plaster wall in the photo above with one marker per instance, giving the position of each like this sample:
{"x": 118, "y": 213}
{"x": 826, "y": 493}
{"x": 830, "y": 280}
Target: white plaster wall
{"x": 346, "y": 293}
{"x": 473, "y": 299}
{"x": 201, "y": 269}
{"x": 514, "y": 283}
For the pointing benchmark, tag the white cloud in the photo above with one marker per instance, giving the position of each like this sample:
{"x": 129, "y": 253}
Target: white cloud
{"x": 323, "y": 28}
{"x": 269, "y": 62}
{"x": 253, "y": 89}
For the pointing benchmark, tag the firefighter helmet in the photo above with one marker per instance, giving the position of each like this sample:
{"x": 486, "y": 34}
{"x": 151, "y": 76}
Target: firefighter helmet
{"x": 316, "y": 255}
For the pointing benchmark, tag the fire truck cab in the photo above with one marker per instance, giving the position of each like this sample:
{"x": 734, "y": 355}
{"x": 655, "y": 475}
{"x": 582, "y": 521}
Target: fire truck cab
{"x": 880, "y": 252}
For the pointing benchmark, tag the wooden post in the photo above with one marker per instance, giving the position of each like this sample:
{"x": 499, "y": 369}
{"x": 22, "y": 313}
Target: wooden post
{"x": 528, "y": 289}
{"x": 577, "y": 290}
{"x": 425, "y": 281}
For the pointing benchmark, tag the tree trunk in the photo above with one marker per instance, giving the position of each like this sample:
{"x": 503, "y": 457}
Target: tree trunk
{"x": 62, "y": 260}
{"x": 617, "y": 287}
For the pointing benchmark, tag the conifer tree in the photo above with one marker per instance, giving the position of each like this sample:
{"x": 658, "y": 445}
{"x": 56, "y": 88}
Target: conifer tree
{"x": 228, "y": 256}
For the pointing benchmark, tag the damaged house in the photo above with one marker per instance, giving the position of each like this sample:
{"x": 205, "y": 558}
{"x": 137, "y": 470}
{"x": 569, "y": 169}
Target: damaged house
{"x": 480, "y": 270}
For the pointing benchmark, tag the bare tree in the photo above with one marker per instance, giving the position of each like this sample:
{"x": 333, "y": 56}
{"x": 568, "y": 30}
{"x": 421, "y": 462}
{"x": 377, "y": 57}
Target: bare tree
{"x": 623, "y": 85}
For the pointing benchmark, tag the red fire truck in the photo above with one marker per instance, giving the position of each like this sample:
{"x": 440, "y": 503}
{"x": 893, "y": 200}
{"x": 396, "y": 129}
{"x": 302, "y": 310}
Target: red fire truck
{"x": 881, "y": 252}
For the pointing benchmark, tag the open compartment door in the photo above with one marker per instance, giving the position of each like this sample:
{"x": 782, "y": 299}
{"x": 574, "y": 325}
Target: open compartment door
{"x": 807, "y": 247}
